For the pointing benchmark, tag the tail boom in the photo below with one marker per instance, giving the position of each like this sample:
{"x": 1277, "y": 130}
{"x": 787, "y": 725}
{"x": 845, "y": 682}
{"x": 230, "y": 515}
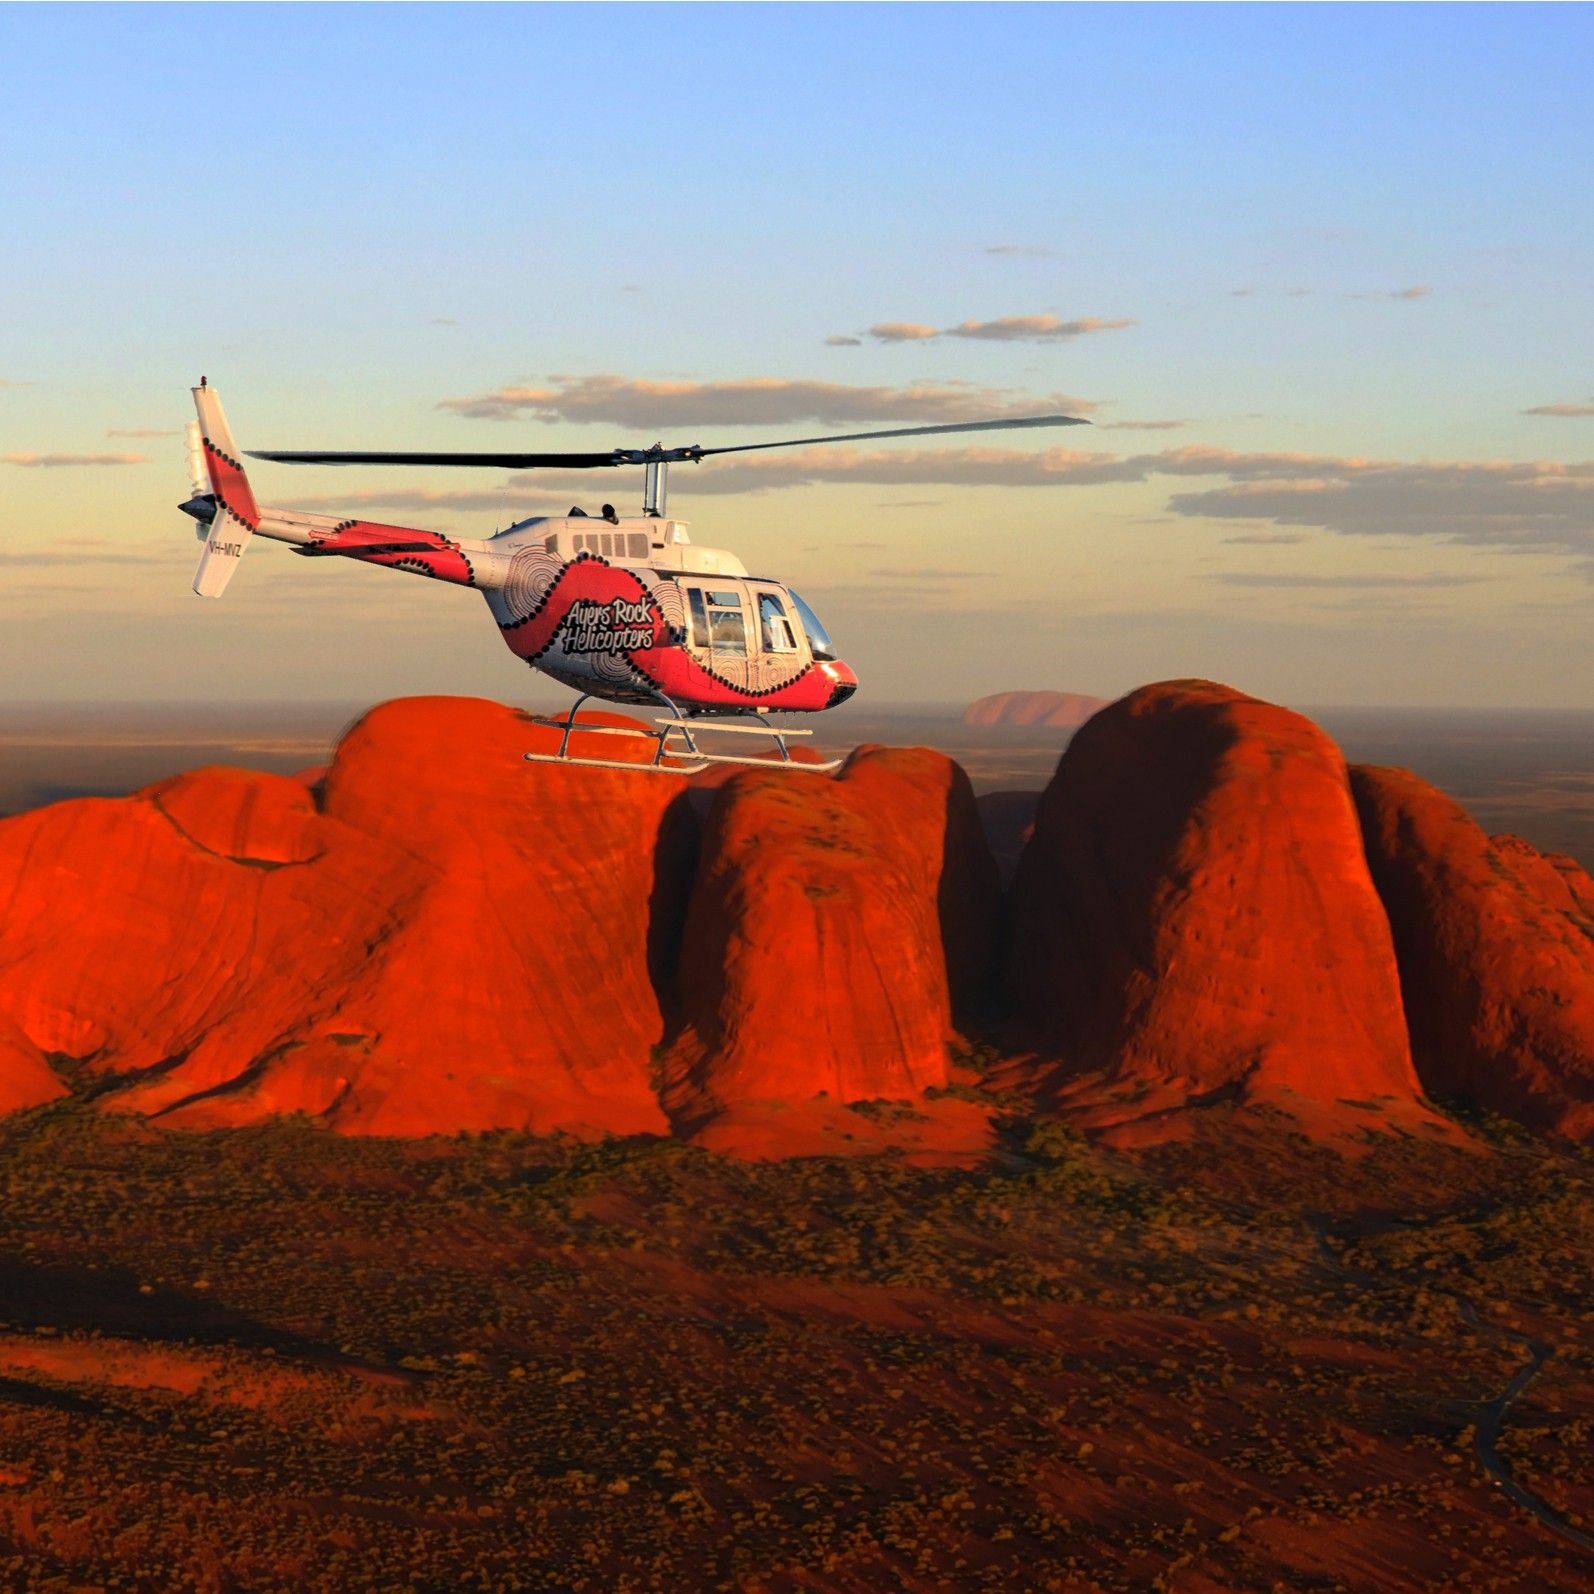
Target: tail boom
{"x": 236, "y": 517}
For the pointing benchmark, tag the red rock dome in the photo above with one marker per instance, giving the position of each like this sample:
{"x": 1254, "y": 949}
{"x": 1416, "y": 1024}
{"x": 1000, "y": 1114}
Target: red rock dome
{"x": 456, "y": 939}
{"x": 833, "y": 926}
{"x": 1496, "y": 947}
{"x": 1194, "y": 919}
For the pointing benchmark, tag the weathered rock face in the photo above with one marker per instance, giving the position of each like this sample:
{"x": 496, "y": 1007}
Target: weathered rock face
{"x": 833, "y": 927}
{"x": 458, "y": 940}
{"x": 26, "y": 1077}
{"x": 1054, "y": 710}
{"x": 1496, "y": 949}
{"x": 432, "y": 935}
{"x": 1009, "y": 821}
{"x": 1194, "y": 918}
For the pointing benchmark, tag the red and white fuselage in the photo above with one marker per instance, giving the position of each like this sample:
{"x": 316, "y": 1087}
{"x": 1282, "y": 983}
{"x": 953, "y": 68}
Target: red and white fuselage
{"x": 628, "y": 609}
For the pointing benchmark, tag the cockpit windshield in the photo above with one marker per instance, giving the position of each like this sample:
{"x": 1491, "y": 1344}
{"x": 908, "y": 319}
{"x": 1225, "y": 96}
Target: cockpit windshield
{"x": 818, "y": 636}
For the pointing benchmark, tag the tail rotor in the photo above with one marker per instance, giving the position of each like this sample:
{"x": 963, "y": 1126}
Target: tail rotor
{"x": 201, "y": 502}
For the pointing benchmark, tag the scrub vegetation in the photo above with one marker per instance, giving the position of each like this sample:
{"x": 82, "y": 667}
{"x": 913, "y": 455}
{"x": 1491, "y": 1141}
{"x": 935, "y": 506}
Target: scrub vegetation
{"x": 278, "y": 1359}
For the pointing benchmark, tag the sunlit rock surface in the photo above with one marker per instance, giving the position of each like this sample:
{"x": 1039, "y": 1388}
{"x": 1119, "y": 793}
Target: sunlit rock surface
{"x": 1496, "y": 947}
{"x": 1194, "y": 920}
{"x": 834, "y": 927}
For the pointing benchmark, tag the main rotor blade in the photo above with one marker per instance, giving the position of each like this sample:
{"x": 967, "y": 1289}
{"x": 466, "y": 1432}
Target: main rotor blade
{"x": 906, "y": 431}
{"x": 502, "y": 461}
{"x": 691, "y": 452}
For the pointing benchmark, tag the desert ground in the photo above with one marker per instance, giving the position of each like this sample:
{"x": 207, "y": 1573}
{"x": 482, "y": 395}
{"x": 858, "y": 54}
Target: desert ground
{"x": 276, "y": 1358}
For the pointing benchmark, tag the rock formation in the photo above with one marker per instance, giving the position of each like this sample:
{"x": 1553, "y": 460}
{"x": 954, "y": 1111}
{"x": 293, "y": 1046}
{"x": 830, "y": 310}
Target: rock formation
{"x": 1053, "y": 710}
{"x": 455, "y": 940}
{"x": 431, "y": 935}
{"x": 834, "y": 926}
{"x": 1194, "y": 919}
{"x": 1496, "y": 949}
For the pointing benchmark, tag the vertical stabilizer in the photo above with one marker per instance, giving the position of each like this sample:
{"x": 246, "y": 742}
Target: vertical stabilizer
{"x": 236, "y": 512}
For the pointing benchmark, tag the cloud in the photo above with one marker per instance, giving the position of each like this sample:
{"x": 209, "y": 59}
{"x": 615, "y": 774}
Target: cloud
{"x": 1021, "y": 251}
{"x": 1269, "y": 539}
{"x": 1394, "y": 293}
{"x": 1530, "y": 506}
{"x": 1268, "y": 578}
{"x": 6, "y": 381}
{"x": 1561, "y": 409}
{"x": 1542, "y": 506}
{"x": 644, "y": 406}
{"x": 141, "y": 431}
{"x": 1033, "y": 328}
{"x": 546, "y": 493}
{"x": 930, "y": 574}
{"x": 76, "y": 554}
{"x": 1140, "y": 426}
{"x": 444, "y": 321}
{"x": 51, "y": 460}
{"x": 1005, "y": 329}
{"x": 903, "y": 332}
{"x": 840, "y": 341}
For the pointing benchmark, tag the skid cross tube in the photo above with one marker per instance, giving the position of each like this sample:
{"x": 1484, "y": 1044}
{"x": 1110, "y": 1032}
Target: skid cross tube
{"x": 675, "y": 724}
{"x": 661, "y": 737}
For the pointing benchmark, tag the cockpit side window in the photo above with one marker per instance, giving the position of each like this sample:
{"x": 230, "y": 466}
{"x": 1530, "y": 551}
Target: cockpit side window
{"x": 775, "y": 624}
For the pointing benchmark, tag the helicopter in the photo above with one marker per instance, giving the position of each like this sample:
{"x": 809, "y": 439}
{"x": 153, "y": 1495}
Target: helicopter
{"x": 622, "y": 608}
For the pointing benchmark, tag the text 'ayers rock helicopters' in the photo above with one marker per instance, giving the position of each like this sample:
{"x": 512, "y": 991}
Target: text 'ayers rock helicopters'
{"x": 623, "y": 608}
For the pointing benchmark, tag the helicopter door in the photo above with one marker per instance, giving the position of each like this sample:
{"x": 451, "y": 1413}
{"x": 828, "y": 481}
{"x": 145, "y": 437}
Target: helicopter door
{"x": 721, "y": 633}
{"x": 779, "y": 647}
{"x": 776, "y": 633}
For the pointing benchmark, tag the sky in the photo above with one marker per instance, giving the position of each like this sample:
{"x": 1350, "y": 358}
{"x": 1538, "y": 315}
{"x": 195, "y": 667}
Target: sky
{"x": 1321, "y": 277}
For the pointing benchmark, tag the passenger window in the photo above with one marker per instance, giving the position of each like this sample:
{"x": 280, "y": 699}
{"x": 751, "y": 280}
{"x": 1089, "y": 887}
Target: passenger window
{"x": 774, "y": 624}
{"x": 729, "y": 631}
{"x": 694, "y": 598}
{"x": 727, "y": 626}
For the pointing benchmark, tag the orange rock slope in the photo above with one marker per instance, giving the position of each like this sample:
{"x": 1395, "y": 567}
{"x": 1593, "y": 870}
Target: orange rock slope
{"x": 833, "y": 928}
{"x": 1194, "y": 919}
{"x": 1496, "y": 945}
{"x": 432, "y": 935}
{"x": 1055, "y": 710}
{"x": 458, "y": 940}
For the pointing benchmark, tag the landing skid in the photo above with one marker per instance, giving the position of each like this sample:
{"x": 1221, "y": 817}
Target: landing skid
{"x": 675, "y": 744}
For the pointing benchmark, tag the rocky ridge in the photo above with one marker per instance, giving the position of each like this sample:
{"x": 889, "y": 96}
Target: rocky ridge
{"x": 432, "y": 935}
